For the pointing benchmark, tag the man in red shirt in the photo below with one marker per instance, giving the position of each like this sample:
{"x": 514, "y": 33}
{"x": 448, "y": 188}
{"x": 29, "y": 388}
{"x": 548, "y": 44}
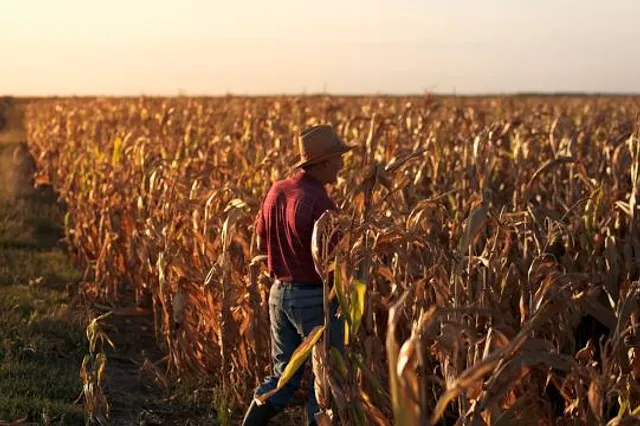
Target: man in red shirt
{"x": 284, "y": 228}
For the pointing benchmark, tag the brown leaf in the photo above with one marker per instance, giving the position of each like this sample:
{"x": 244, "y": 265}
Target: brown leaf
{"x": 594, "y": 396}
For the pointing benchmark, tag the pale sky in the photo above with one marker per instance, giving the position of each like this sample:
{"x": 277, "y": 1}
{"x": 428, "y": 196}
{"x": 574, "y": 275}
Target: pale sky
{"x": 160, "y": 47}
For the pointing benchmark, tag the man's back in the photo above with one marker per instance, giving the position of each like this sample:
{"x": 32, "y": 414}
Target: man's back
{"x": 286, "y": 221}
{"x": 296, "y": 297}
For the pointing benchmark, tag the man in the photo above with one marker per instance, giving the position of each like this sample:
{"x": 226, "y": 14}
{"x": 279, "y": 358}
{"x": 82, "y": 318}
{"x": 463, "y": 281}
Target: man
{"x": 284, "y": 228}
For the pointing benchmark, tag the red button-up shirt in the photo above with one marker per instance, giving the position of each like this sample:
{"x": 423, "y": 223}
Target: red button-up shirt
{"x": 285, "y": 222}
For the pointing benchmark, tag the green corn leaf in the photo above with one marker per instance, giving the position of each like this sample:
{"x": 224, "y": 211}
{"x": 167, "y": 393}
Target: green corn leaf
{"x": 339, "y": 291}
{"x": 118, "y": 146}
{"x": 299, "y": 356}
{"x": 356, "y": 304}
{"x": 338, "y": 361}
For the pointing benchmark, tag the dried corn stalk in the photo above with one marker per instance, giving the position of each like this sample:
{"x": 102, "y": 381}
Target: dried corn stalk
{"x": 546, "y": 263}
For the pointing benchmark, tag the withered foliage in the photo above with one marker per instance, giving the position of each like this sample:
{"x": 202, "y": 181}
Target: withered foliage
{"x": 494, "y": 242}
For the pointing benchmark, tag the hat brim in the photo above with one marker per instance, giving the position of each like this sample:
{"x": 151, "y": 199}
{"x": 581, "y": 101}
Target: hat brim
{"x": 343, "y": 150}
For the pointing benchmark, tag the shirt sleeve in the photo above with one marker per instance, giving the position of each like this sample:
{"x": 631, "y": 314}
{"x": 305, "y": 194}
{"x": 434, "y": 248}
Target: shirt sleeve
{"x": 322, "y": 206}
{"x": 260, "y": 226}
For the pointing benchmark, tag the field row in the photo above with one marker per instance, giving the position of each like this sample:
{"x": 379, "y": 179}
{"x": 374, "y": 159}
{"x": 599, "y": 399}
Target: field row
{"x": 496, "y": 239}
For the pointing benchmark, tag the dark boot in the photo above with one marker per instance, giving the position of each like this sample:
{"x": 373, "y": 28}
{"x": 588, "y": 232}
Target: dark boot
{"x": 259, "y": 415}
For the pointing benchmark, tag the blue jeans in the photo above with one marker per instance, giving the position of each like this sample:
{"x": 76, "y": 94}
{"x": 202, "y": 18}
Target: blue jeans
{"x": 294, "y": 311}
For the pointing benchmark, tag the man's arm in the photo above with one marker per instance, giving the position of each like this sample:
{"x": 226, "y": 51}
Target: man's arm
{"x": 261, "y": 245}
{"x": 321, "y": 207}
{"x": 329, "y": 205}
{"x": 261, "y": 233}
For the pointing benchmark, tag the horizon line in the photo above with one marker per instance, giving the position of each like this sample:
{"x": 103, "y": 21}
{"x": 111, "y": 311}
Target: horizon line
{"x": 181, "y": 94}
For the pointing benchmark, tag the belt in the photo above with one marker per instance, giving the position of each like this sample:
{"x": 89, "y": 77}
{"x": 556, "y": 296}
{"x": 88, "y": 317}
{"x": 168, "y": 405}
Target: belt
{"x": 301, "y": 286}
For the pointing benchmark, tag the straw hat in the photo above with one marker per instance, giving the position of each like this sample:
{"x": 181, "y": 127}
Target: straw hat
{"x": 319, "y": 143}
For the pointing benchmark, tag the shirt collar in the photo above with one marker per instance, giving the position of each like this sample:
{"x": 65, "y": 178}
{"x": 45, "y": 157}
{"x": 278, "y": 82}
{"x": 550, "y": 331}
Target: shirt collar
{"x": 300, "y": 176}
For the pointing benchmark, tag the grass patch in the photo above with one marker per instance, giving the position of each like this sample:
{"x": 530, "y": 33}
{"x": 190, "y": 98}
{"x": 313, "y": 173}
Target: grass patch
{"x": 36, "y": 409}
{"x": 22, "y": 265}
{"x": 29, "y": 232}
{"x": 12, "y": 135}
{"x": 41, "y": 342}
{"x": 40, "y": 348}
{"x": 30, "y": 223}
{"x": 13, "y": 116}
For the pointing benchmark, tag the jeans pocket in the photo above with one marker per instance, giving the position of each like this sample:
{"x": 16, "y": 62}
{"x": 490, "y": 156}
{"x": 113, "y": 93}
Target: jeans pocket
{"x": 275, "y": 294}
{"x": 307, "y": 301}
{"x": 307, "y": 318}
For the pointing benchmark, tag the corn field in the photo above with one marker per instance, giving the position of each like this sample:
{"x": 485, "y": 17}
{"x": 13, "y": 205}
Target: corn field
{"x": 488, "y": 268}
